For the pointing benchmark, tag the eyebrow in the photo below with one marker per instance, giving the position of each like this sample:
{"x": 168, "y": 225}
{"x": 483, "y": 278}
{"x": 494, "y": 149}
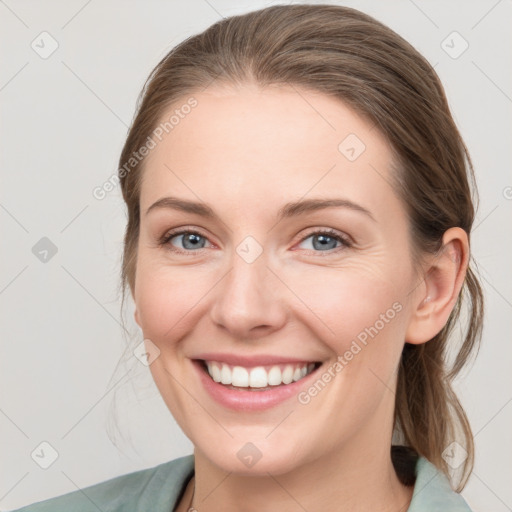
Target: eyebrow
{"x": 289, "y": 210}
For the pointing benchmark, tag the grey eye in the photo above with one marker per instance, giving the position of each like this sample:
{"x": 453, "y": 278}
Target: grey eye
{"x": 190, "y": 240}
{"x": 321, "y": 241}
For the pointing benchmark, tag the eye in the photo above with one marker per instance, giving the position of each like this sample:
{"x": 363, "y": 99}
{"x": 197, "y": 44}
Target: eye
{"x": 188, "y": 241}
{"x": 184, "y": 240}
{"x": 325, "y": 240}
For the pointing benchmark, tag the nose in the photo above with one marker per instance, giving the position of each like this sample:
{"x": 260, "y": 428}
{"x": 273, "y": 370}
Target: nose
{"x": 250, "y": 300}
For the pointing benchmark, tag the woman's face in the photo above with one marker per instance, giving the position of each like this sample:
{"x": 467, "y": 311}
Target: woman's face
{"x": 270, "y": 280}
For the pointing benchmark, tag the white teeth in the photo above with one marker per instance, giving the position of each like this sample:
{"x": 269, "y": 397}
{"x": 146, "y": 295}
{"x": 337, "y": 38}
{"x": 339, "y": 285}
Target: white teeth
{"x": 287, "y": 374}
{"x": 240, "y": 377}
{"x": 274, "y": 376}
{"x": 215, "y": 373}
{"x": 225, "y": 374}
{"x": 258, "y": 376}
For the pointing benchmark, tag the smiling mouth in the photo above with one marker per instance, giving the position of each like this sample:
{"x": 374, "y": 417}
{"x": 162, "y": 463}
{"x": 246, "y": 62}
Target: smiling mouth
{"x": 257, "y": 378}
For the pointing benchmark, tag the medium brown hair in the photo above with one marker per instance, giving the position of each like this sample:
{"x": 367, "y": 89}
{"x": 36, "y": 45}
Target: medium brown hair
{"x": 350, "y": 56}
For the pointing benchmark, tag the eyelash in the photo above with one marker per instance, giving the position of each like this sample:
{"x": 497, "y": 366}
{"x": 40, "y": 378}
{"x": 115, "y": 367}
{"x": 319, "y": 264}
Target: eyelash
{"x": 345, "y": 240}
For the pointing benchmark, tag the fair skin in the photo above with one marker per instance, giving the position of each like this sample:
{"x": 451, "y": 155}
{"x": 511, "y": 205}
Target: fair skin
{"x": 246, "y": 152}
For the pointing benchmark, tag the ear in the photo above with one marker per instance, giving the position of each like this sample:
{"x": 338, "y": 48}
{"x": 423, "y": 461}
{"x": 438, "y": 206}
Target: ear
{"x": 442, "y": 283}
{"x": 136, "y": 316}
{"x": 136, "y": 311}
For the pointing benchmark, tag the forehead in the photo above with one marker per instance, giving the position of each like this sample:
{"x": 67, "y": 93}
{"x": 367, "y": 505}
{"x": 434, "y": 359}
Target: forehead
{"x": 237, "y": 145}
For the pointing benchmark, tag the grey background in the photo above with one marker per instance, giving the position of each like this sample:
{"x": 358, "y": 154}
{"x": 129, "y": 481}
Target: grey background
{"x": 63, "y": 123}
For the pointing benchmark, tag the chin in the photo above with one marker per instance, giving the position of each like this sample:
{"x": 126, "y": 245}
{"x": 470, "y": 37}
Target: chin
{"x": 254, "y": 459}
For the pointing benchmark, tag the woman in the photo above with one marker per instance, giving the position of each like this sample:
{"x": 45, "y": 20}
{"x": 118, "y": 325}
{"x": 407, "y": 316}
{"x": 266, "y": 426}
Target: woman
{"x": 297, "y": 249}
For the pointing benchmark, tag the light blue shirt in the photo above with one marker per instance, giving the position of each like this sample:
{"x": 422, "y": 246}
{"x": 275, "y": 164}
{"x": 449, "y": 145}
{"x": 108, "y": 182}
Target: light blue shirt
{"x": 157, "y": 489}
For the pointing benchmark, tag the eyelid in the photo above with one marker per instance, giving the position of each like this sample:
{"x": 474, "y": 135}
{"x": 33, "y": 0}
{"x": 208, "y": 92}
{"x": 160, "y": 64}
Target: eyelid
{"x": 183, "y": 230}
{"x": 346, "y": 240}
{"x": 329, "y": 231}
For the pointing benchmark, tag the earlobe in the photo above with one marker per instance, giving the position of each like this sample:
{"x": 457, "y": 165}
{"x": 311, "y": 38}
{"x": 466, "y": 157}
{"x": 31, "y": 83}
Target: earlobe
{"x": 443, "y": 279}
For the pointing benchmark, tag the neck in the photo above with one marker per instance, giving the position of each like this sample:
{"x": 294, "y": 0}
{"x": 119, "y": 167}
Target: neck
{"x": 355, "y": 475}
{"x": 348, "y": 480}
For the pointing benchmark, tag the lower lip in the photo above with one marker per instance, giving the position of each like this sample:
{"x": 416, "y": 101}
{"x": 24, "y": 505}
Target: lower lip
{"x": 242, "y": 400}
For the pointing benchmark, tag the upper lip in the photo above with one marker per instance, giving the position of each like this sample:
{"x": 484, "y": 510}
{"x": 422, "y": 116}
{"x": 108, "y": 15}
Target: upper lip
{"x": 250, "y": 361}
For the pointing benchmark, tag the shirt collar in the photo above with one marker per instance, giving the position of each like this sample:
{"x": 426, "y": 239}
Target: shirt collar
{"x": 432, "y": 491}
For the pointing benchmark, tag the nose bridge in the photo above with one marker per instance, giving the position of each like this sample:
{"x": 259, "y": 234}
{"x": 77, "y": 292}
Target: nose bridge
{"x": 247, "y": 297}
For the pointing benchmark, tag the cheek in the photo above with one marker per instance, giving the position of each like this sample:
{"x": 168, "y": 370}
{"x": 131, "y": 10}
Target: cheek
{"x": 354, "y": 305}
{"x": 166, "y": 300}
{"x": 168, "y": 303}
